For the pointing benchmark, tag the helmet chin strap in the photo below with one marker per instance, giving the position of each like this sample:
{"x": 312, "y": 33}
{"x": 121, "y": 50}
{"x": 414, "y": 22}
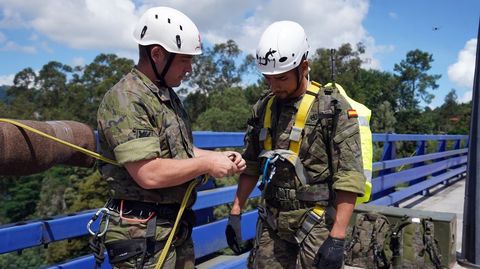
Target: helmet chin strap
{"x": 160, "y": 78}
{"x": 299, "y": 80}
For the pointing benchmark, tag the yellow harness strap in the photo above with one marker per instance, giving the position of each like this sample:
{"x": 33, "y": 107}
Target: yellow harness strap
{"x": 296, "y": 134}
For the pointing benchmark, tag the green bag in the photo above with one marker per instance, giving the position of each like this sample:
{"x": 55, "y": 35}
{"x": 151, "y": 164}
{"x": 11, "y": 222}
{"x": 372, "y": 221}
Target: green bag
{"x": 413, "y": 244}
{"x": 366, "y": 246}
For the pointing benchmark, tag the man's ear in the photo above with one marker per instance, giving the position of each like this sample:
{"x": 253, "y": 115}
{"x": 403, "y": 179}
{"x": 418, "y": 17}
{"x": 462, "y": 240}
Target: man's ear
{"x": 157, "y": 53}
{"x": 305, "y": 68}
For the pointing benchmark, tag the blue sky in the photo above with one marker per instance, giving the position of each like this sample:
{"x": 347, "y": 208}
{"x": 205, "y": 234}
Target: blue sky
{"x": 34, "y": 32}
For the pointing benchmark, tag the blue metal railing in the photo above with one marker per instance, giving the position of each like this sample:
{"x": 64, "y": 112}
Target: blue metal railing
{"x": 393, "y": 183}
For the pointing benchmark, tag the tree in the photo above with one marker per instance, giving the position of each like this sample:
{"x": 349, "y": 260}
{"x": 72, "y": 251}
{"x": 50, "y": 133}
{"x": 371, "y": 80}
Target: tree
{"x": 414, "y": 80}
{"x": 217, "y": 69}
{"x": 347, "y": 66}
{"x": 228, "y": 112}
{"x": 52, "y": 90}
{"x": 24, "y": 195}
{"x": 98, "y": 77}
{"x": 383, "y": 119}
{"x": 22, "y": 95}
{"x": 3, "y": 93}
{"x": 254, "y": 92}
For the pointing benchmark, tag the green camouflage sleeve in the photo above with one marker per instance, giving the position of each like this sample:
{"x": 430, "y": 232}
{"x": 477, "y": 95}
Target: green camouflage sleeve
{"x": 251, "y": 141}
{"x": 124, "y": 120}
{"x": 347, "y": 157}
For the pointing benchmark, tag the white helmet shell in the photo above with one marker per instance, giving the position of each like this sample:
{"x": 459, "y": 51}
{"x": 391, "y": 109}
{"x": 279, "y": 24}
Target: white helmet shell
{"x": 281, "y": 48}
{"x": 170, "y": 28}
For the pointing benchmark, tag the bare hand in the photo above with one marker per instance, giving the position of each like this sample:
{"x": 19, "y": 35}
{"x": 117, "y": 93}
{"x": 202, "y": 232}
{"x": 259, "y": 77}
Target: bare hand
{"x": 220, "y": 165}
{"x": 237, "y": 159}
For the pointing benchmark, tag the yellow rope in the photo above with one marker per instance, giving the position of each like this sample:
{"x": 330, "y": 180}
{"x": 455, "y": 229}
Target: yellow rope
{"x": 164, "y": 253}
{"x": 65, "y": 143}
{"x": 183, "y": 205}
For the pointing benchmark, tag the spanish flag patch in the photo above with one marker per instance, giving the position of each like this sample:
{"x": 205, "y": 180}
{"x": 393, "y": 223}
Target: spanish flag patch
{"x": 352, "y": 113}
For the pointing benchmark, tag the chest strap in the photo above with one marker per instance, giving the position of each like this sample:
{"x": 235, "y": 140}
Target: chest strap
{"x": 301, "y": 116}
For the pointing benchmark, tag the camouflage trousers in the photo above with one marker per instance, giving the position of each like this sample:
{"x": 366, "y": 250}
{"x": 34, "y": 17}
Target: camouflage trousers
{"x": 179, "y": 256}
{"x": 272, "y": 252}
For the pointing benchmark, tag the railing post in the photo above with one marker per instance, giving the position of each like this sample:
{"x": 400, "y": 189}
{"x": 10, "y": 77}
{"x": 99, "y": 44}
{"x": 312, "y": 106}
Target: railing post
{"x": 420, "y": 150}
{"x": 389, "y": 153}
{"x": 458, "y": 144}
{"x": 441, "y": 147}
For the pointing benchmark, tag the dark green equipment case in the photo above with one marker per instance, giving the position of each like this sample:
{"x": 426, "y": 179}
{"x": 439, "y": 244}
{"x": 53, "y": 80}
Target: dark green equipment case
{"x": 445, "y": 226}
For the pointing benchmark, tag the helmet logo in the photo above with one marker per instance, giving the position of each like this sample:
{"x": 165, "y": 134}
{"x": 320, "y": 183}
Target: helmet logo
{"x": 179, "y": 41}
{"x": 144, "y": 30}
{"x": 265, "y": 60}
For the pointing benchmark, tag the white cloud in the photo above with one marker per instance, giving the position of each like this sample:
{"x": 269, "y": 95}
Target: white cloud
{"x": 10, "y": 18}
{"x": 467, "y": 97}
{"x": 393, "y": 15}
{"x": 12, "y": 46}
{"x": 78, "y": 61}
{"x": 2, "y": 38}
{"x": 88, "y": 24}
{"x": 104, "y": 24}
{"x": 461, "y": 72}
{"x": 6, "y": 79}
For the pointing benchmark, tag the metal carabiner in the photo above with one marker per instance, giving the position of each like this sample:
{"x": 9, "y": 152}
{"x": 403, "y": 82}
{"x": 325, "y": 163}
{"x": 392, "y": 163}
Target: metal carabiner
{"x": 106, "y": 212}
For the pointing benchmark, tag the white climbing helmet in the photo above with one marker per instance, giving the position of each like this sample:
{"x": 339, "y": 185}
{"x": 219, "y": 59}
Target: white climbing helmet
{"x": 170, "y": 28}
{"x": 281, "y": 47}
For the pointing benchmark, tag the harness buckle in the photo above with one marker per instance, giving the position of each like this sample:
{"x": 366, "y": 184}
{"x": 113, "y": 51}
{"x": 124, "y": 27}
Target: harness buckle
{"x": 263, "y": 134}
{"x": 296, "y": 133}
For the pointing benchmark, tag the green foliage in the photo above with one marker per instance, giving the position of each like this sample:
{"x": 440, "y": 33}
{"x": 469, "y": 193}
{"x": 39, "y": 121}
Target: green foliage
{"x": 3, "y": 93}
{"x": 20, "y": 199}
{"x": 414, "y": 80}
{"x": 29, "y": 258}
{"x": 228, "y": 112}
{"x": 383, "y": 119}
{"x": 347, "y": 66}
{"x": 255, "y": 91}
{"x": 217, "y": 70}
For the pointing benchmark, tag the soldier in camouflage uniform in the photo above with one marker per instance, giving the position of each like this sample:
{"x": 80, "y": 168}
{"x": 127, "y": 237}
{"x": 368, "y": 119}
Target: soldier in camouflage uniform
{"x": 299, "y": 225}
{"x": 143, "y": 126}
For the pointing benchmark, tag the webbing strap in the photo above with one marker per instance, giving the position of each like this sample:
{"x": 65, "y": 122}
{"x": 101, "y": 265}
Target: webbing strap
{"x": 267, "y": 124}
{"x": 300, "y": 119}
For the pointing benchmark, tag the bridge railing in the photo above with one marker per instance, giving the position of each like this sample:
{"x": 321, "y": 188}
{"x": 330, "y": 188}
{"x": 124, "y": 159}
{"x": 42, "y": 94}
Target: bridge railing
{"x": 391, "y": 184}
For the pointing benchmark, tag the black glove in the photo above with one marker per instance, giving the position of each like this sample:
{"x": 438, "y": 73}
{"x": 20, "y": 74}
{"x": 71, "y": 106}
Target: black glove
{"x": 233, "y": 232}
{"x": 330, "y": 255}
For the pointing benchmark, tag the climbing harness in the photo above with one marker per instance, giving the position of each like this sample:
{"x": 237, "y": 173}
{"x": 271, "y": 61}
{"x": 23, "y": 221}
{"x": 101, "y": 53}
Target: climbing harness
{"x": 96, "y": 242}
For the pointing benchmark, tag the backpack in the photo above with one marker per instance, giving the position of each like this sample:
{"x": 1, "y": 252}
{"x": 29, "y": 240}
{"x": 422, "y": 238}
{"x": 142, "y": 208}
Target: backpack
{"x": 413, "y": 244}
{"x": 366, "y": 246}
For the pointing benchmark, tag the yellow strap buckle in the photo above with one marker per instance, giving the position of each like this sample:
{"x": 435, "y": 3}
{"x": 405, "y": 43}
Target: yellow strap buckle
{"x": 318, "y": 210}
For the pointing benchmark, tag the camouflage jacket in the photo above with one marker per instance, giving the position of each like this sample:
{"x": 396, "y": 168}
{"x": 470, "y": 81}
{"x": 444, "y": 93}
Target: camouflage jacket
{"x": 347, "y": 158}
{"x": 139, "y": 121}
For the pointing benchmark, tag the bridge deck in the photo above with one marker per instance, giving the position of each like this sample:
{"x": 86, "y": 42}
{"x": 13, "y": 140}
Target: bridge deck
{"x": 443, "y": 199}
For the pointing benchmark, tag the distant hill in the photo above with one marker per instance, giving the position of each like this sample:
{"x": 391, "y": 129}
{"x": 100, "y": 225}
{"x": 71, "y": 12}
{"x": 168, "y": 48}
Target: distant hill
{"x": 3, "y": 93}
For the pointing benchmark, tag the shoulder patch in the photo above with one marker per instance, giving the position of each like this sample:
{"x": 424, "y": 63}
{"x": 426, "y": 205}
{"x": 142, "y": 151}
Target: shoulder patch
{"x": 352, "y": 113}
{"x": 139, "y": 133}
